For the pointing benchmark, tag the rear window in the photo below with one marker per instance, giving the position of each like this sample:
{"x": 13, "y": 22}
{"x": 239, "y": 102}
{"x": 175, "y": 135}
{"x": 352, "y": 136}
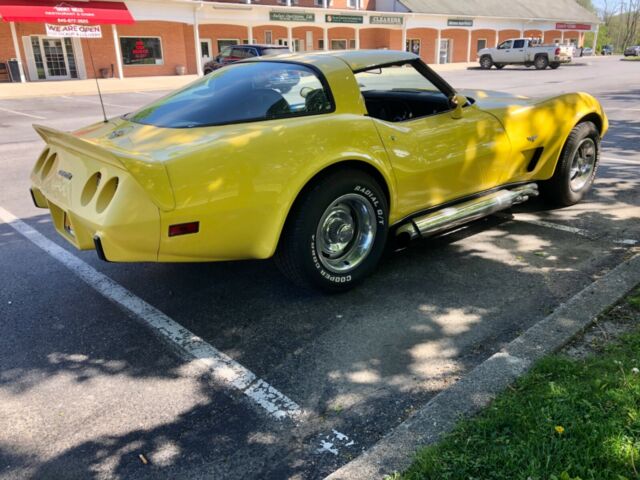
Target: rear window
{"x": 274, "y": 51}
{"x": 240, "y": 92}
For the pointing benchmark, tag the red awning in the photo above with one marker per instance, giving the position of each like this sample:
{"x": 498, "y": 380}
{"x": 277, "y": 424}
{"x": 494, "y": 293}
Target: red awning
{"x": 52, "y": 11}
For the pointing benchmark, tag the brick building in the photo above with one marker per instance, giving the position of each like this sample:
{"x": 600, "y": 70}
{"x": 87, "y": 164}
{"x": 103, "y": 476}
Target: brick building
{"x": 170, "y": 36}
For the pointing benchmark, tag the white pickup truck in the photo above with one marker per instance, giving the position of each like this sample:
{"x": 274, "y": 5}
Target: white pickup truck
{"x": 525, "y": 51}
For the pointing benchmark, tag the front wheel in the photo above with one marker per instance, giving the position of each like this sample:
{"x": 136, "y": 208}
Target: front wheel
{"x": 541, "y": 62}
{"x": 336, "y": 232}
{"x": 486, "y": 62}
{"x": 576, "y": 168}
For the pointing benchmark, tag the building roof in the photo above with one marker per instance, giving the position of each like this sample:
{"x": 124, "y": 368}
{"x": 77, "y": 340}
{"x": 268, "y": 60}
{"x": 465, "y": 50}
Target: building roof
{"x": 561, "y": 10}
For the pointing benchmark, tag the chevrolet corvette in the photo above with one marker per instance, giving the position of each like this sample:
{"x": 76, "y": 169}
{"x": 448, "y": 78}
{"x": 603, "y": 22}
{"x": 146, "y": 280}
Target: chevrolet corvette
{"x": 316, "y": 159}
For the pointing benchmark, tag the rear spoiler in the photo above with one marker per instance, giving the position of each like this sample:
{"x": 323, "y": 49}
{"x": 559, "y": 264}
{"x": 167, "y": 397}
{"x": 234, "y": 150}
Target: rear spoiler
{"x": 151, "y": 175}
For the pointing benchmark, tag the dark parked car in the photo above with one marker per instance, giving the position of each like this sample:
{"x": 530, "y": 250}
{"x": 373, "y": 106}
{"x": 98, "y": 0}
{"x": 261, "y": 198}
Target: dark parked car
{"x": 234, "y": 53}
{"x": 607, "y": 50}
{"x": 632, "y": 51}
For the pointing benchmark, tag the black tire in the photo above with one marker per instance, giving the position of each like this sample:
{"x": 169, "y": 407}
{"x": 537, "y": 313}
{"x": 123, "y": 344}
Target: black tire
{"x": 554, "y": 65}
{"x": 300, "y": 257}
{"x": 541, "y": 62}
{"x": 486, "y": 62}
{"x": 558, "y": 190}
{"x": 499, "y": 66}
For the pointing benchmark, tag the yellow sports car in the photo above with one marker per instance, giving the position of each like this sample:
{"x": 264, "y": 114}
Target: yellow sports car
{"x": 315, "y": 159}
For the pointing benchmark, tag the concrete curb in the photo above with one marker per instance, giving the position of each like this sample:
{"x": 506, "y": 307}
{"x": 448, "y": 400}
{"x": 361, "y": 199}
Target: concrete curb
{"x": 474, "y": 391}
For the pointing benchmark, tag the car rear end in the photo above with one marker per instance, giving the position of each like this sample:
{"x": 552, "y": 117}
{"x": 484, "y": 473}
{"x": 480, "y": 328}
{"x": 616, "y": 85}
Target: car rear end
{"x": 97, "y": 198}
{"x": 632, "y": 51}
{"x": 561, "y": 54}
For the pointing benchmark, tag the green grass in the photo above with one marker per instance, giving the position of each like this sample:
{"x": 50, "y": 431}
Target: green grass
{"x": 631, "y": 59}
{"x": 567, "y": 419}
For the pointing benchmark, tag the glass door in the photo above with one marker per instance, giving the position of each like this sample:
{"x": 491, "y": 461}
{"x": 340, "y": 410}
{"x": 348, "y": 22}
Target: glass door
{"x": 205, "y": 48}
{"x": 55, "y": 59}
{"x": 445, "y": 51}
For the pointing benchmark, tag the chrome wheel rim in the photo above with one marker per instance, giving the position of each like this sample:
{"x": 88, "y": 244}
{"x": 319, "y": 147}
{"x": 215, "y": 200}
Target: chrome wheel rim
{"x": 346, "y": 233}
{"x": 582, "y": 164}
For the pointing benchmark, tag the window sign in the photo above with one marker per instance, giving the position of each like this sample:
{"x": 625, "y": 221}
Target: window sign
{"x": 292, "y": 17}
{"x": 385, "y": 20}
{"x": 344, "y": 19}
{"x": 141, "y": 51}
{"x": 459, "y": 22}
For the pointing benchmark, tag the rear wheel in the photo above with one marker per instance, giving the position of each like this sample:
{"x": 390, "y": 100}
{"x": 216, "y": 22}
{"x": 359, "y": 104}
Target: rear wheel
{"x": 336, "y": 233}
{"x": 576, "y": 168}
{"x": 541, "y": 62}
{"x": 486, "y": 62}
{"x": 499, "y": 66}
{"x": 554, "y": 65}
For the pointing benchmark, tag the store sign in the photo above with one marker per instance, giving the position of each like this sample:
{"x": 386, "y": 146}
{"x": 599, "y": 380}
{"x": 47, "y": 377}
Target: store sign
{"x": 75, "y": 31}
{"x": 67, "y": 12}
{"x": 572, "y": 26}
{"x": 459, "y": 22}
{"x": 139, "y": 51}
{"x": 291, "y": 17}
{"x": 344, "y": 19}
{"x": 384, "y": 20}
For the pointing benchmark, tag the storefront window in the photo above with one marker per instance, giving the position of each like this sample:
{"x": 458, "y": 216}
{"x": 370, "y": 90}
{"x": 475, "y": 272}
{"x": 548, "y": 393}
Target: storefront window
{"x": 37, "y": 56}
{"x": 141, "y": 51}
{"x": 338, "y": 44}
{"x": 71, "y": 59}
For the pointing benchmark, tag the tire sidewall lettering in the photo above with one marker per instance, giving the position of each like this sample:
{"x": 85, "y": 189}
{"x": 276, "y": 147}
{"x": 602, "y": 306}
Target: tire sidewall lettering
{"x": 326, "y": 275}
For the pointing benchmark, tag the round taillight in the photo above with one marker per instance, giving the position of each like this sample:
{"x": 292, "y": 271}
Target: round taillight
{"x": 41, "y": 160}
{"x": 90, "y": 188}
{"x": 48, "y": 166}
{"x": 106, "y": 194}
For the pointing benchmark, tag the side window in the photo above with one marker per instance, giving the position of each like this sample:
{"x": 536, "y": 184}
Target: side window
{"x": 518, "y": 44}
{"x": 505, "y": 45}
{"x": 241, "y": 92}
{"x": 250, "y": 52}
{"x": 237, "y": 52}
{"x": 225, "y": 52}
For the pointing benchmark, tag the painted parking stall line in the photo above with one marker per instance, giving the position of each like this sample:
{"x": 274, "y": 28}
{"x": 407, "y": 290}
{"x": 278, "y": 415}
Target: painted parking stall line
{"x": 533, "y": 220}
{"x": 224, "y": 369}
{"x": 15, "y": 112}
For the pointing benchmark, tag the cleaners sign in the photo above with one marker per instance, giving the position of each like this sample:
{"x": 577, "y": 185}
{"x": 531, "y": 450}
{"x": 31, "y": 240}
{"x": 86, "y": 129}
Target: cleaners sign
{"x": 77, "y": 31}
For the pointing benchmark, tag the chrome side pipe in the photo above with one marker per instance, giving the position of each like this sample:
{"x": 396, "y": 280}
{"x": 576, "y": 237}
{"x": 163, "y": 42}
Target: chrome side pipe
{"x": 452, "y": 217}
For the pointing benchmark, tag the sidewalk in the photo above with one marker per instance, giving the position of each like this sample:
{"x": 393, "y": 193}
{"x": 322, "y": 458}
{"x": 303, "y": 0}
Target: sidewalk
{"x": 88, "y": 87}
{"x": 135, "y": 84}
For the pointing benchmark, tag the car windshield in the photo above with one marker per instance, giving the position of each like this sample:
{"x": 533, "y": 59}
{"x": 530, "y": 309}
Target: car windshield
{"x": 396, "y": 78}
{"x": 239, "y": 93}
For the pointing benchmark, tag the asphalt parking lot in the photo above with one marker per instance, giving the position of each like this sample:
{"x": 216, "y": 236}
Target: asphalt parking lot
{"x": 88, "y": 392}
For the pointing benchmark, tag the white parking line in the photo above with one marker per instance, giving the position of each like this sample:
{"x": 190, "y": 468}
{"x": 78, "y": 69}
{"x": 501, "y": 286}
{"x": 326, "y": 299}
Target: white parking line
{"x": 76, "y": 99}
{"x": 223, "y": 368}
{"x": 533, "y": 220}
{"x": 22, "y": 113}
{"x": 622, "y": 160}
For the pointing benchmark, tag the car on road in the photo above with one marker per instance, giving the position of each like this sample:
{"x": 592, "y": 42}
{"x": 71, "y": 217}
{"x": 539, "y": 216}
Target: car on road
{"x": 525, "y": 51}
{"x": 587, "y": 51}
{"x": 235, "y": 53}
{"x": 633, "y": 51}
{"x": 370, "y": 145}
{"x": 606, "y": 50}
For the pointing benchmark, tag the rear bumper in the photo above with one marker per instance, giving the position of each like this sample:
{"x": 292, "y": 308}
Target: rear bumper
{"x": 99, "y": 201}
{"x": 561, "y": 59}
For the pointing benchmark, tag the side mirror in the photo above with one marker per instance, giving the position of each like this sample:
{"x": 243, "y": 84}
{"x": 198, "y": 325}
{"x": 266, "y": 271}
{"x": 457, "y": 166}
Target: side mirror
{"x": 458, "y": 102}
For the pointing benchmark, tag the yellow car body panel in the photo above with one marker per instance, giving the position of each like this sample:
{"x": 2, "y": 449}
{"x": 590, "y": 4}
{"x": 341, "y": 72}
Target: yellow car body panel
{"x": 240, "y": 181}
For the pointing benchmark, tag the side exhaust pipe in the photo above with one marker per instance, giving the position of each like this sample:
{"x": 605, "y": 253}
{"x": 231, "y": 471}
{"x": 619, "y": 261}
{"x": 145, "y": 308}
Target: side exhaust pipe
{"x": 451, "y": 217}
